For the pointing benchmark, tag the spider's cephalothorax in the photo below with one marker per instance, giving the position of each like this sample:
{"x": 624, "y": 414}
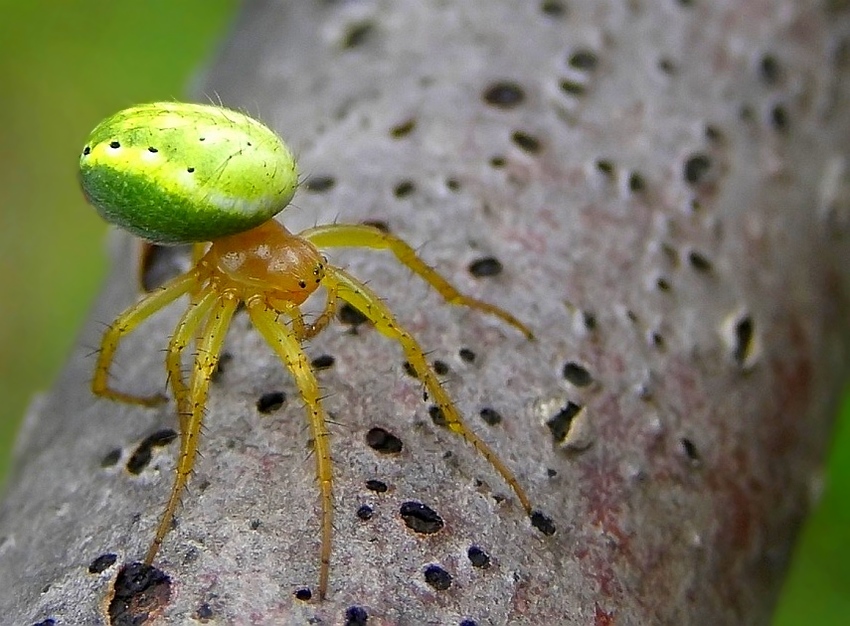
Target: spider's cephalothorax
{"x": 173, "y": 172}
{"x": 266, "y": 263}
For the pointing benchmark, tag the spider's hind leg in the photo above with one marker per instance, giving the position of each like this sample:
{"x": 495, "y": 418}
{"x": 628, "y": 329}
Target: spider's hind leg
{"x": 125, "y": 324}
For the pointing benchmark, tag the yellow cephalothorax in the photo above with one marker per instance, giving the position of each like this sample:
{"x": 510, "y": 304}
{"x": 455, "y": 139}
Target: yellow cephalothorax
{"x": 188, "y": 173}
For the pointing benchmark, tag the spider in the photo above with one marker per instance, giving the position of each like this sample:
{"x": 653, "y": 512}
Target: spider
{"x": 176, "y": 173}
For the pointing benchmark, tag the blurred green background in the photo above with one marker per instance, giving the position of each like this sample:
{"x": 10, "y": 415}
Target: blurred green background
{"x": 63, "y": 67}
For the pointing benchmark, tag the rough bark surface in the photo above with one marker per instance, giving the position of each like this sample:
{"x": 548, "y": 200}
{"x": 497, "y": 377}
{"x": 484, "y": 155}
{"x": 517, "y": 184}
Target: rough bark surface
{"x": 666, "y": 187}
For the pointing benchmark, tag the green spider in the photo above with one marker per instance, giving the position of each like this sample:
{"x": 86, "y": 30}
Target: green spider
{"x": 176, "y": 173}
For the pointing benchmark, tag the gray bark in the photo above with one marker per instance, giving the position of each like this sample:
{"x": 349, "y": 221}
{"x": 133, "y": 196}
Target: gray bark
{"x": 669, "y": 201}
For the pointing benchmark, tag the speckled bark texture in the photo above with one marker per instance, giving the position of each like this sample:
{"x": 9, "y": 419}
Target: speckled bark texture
{"x": 665, "y": 186}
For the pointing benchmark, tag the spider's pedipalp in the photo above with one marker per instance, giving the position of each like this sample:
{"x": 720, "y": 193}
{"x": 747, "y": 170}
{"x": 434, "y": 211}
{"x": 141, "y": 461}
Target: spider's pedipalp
{"x": 320, "y": 323}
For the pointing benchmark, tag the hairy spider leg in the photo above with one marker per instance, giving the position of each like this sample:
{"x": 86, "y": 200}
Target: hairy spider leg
{"x": 187, "y": 330}
{"x": 285, "y": 342}
{"x": 363, "y": 236}
{"x": 206, "y": 359}
{"x": 126, "y": 323}
{"x": 199, "y": 249}
{"x": 358, "y": 295}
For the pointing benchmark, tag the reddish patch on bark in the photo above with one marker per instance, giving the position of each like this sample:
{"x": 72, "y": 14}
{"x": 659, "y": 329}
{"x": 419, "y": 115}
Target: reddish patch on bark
{"x": 602, "y": 617}
{"x": 605, "y": 577}
{"x": 739, "y": 519}
{"x": 793, "y": 382}
{"x": 604, "y": 492}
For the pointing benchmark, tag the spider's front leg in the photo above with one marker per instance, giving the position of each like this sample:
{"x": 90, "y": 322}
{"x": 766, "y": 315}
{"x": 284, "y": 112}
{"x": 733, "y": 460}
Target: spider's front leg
{"x": 126, "y": 323}
{"x": 286, "y": 344}
{"x": 363, "y": 236}
{"x": 358, "y": 295}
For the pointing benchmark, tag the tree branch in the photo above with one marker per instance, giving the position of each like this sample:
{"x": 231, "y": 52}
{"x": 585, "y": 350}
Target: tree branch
{"x": 665, "y": 188}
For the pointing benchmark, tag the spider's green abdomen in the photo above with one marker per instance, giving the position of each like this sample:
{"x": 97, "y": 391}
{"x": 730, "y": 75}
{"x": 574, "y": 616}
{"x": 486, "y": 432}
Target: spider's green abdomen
{"x": 173, "y": 172}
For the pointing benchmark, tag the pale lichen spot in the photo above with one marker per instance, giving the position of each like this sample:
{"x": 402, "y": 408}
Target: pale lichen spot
{"x": 741, "y": 339}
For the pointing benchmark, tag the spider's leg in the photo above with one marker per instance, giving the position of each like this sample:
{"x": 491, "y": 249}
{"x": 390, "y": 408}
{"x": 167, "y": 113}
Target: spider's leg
{"x": 357, "y": 294}
{"x": 199, "y": 249}
{"x": 287, "y": 346}
{"x": 124, "y": 324}
{"x": 183, "y": 335}
{"x": 206, "y": 360}
{"x": 362, "y": 236}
